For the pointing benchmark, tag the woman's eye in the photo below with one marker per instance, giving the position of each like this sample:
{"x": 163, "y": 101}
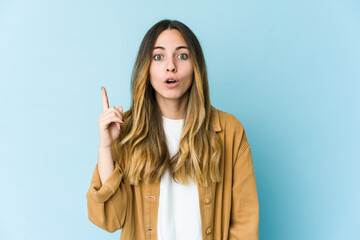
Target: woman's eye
{"x": 183, "y": 56}
{"x": 157, "y": 57}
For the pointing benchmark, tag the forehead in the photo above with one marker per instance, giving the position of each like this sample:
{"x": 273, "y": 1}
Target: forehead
{"x": 170, "y": 38}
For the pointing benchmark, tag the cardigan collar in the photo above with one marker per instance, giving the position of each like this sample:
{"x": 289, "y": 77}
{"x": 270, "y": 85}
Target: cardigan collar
{"x": 215, "y": 119}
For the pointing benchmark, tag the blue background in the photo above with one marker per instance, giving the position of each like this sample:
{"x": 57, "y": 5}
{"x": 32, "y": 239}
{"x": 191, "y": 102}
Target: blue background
{"x": 288, "y": 70}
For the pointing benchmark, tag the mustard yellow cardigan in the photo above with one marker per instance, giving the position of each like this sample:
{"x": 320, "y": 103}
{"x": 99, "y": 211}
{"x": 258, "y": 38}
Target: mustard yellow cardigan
{"x": 229, "y": 209}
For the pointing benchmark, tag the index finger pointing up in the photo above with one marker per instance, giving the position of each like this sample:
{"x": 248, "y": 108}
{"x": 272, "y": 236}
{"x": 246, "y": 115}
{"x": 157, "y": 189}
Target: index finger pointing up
{"x": 105, "y": 101}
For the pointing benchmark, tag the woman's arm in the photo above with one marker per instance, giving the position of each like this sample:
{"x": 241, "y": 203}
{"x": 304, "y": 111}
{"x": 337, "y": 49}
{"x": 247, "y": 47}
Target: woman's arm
{"x": 245, "y": 207}
{"x": 105, "y": 163}
{"x": 107, "y": 197}
{"x": 108, "y": 203}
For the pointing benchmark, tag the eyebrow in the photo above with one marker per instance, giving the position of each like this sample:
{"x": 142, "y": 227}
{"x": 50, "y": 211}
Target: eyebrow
{"x": 179, "y": 47}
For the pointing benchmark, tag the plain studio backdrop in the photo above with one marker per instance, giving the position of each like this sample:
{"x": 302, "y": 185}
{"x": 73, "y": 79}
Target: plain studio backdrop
{"x": 288, "y": 70}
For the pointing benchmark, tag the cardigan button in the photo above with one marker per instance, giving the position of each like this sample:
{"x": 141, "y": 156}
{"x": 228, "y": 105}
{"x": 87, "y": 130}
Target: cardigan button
{"x": 209, "y": 231}
{"x": 207, "y": 200}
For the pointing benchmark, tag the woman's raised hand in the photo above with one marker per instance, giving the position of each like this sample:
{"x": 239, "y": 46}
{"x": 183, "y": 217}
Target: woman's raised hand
{"x": 109, "y": 122}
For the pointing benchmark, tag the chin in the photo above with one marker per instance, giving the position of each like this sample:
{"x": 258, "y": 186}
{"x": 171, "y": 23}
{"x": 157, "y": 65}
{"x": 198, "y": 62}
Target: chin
{"x": 171, "y": 96}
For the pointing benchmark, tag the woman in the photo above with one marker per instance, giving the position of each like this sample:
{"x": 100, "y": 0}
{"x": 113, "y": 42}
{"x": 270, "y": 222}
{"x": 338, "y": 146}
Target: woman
{"x": 173, "y": 166}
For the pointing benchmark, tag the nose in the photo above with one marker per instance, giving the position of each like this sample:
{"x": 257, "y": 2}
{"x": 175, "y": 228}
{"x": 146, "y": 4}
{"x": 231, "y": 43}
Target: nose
{"x": 171, "y": 67}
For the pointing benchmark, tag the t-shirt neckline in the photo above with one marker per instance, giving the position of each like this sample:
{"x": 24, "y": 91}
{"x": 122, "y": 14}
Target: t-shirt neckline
{"x": 172, "y": 120}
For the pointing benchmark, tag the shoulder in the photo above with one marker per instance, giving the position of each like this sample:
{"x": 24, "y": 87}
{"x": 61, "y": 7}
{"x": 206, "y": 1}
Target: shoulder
{"x": 230, "y": 120}
{"x": 224, "y": 121}
{"x": 230, "y": 129}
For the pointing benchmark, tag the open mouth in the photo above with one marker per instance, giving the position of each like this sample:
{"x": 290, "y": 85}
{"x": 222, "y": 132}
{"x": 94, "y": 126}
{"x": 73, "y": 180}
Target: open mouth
{"x": 170, "y": 81}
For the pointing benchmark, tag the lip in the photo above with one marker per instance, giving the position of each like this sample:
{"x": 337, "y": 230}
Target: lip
{"x": 171, "y": 85}
{"x": 171, "y": 78}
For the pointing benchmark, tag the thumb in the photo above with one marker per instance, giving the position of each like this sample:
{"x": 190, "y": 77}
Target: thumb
{"x": 121, "y": 110}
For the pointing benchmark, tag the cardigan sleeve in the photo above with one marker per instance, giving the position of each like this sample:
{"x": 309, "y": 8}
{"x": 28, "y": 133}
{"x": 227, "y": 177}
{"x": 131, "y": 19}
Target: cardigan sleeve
{"x": 107, "y": 204}
{"x": 244, "y": 224}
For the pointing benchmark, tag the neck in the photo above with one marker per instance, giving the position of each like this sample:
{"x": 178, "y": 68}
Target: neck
{"x": 173, "y": 108}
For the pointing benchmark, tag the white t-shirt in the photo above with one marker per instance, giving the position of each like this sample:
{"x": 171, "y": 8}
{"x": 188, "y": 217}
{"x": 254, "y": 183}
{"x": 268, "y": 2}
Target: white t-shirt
{"x": 179, "y": 212}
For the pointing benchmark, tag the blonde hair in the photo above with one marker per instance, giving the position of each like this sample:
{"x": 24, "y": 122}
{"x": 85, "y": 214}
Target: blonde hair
{"x": 141, "y": 148}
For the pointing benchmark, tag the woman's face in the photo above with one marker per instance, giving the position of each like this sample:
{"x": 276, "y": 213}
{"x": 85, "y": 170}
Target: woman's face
{"x": 171, "y": 69}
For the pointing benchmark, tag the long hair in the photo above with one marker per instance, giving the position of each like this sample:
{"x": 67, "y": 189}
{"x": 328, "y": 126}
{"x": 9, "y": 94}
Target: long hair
{"x": 141, "y": 148}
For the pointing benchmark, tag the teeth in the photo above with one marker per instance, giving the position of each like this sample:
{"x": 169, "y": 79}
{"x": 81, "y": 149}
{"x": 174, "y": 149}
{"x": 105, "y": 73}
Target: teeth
{"x": 171, "y": 81}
